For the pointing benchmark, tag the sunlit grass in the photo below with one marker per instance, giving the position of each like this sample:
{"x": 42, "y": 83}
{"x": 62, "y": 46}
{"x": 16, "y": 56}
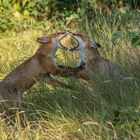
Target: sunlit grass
{"x": 100, "y": 109}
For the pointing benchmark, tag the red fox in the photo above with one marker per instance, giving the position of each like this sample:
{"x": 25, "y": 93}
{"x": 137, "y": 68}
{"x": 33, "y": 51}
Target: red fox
{"x": 90, "y": 57}
{"x": 41, "y": 64}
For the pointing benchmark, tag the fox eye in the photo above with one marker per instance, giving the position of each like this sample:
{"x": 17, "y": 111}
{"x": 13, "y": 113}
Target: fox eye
{"x": 42, "y": 40}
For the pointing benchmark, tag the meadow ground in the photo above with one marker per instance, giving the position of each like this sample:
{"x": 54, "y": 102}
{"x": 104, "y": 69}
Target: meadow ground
{"x": 100, "y": 109}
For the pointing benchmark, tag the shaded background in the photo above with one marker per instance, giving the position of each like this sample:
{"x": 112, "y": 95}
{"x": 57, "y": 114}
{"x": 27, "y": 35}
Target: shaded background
{"x": 19, "y": 15}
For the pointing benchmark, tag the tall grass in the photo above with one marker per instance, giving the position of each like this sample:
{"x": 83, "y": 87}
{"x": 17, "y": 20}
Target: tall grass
{"x": 100, "y": 109}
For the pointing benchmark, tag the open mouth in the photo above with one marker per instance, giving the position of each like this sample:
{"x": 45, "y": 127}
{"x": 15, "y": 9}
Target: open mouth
{"x": 68, "y": 58}
{"x": 68, "y": 41}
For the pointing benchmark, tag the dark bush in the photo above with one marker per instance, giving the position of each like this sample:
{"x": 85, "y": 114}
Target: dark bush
{"x": 42, "y": 10}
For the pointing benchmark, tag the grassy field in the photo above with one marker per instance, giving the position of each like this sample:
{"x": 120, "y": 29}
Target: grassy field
{"x": 102, "y": 109}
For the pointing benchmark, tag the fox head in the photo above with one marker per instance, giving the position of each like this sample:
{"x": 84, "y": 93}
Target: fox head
{"x": 51, "y": 43}
{"x": 87, "y": 47}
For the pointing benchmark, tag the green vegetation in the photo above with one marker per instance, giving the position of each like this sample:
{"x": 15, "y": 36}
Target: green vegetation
{"x": 101, "y": 109}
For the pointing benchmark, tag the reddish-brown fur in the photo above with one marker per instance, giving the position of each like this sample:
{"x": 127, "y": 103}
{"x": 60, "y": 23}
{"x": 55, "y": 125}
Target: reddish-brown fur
{"x": 27, "y": 73}
{"x": 94, "y": 62}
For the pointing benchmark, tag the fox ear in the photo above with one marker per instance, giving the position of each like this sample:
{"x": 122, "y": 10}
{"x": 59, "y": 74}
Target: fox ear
{"x": 94, "y": 44}
{"x": 42, "y": 40}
